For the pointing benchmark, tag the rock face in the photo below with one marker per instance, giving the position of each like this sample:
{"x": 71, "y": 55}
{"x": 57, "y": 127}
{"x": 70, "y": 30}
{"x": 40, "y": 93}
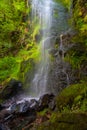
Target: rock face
{"x": 17, "y": 115}
{"x": 13, "y": 87}
{"x": 45, "y": 101}
{"x": 3, "y": 127}
{"x": 60, "y": 73}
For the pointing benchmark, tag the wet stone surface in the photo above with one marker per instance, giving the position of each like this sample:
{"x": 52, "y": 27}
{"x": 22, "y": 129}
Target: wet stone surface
{"x": 19, "y": 113}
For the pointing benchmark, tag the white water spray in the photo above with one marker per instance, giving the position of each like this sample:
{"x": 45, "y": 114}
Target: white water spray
{"x": 42, "y": 10}
{"x": 52, "y": 18}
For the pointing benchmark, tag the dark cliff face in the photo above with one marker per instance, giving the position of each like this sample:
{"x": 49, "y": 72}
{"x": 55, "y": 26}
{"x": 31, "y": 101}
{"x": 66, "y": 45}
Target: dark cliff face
{"x": 72, "y": 101}
{"x": 70, "y": 69}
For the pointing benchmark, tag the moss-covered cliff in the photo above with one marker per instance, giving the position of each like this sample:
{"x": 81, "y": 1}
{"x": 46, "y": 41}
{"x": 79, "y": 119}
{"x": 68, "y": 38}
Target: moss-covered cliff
{"x": 19, "y": 54}
{"x": 71, "y": 103}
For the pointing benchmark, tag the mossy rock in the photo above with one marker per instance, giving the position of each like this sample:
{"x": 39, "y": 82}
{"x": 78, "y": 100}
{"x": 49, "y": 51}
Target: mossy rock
{"x": 66, "y": 121}
{"x": 27, "y": 72}
{"x": 71, "y": 96}
{"x": 11, "y": 89}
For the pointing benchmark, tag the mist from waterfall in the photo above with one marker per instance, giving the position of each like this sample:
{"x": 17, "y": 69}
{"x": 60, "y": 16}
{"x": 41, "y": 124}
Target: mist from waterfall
{"x": 52, "y": 19}
{"x": 42, "y": 10}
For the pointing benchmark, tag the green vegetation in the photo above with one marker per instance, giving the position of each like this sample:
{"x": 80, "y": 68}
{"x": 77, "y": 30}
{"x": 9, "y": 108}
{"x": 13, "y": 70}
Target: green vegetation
{"x": 71, "y": 103}
{"x": 17, "y": 40}
{"x": 66, "y": 3}
{"x": 77, "y": 54}
{"x": 73, "y": 98}
{"x": 71, "y": 110}
{"x": 9, "y": 67}
{"x": 65, "y": 121}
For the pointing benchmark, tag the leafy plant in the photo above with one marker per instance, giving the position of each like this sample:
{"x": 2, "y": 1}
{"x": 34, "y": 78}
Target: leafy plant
{"x": 9, "y": 67}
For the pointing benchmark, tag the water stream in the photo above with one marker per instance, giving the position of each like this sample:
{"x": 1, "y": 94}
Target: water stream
{"x": 53, "y": 20}
{"x": 43, "y": 11}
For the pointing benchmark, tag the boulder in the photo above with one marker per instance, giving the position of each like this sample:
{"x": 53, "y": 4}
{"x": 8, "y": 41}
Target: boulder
{"x": 2, "y": 107}
{"x": 24, "y": 106}
{"x": 13, "y": 87}
{"x": 3, "y": 127}
{"x": 45, "y": 100}
{"x": 4, "y": 114}
{"x": 34, "y": 104}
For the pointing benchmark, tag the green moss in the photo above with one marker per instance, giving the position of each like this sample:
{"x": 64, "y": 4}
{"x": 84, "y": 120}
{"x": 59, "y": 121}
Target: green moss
{"x": 72, "y": 97}
{"x": 42, "y": 113}
{"x": 77, "y": 56}
{"x": 80, "y": 18}
{"x": 9, "y": 67}
{"x": 66, "y": 3}
{"x": 69, "y": 121}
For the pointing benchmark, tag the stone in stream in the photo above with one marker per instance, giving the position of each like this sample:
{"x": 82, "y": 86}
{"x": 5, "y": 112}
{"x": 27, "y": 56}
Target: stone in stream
{"x": 34, "y": 104}
{"x": 25, "y": 111}
{"x": 45, "y": 100}
{"x": 24, "y": 106}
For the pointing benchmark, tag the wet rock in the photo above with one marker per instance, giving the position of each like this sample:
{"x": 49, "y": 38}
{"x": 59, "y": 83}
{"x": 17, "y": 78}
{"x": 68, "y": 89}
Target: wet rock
{"x": 3, "y": 127}
{"x": 22, "y": 107}
{"x": 4, "y": 114}
{"x": 45, "y": 100}
{"x": 20, "y": 114}
{"x": 2, "y": 107}
{"x": 21, "y": 119}
{"x": 13, "y": 87}
{"x": 58, "y": 78}
{"x": 52, "y": 105}
{"x": 23, "y": 112}
{"x": 19, "y": 108}
{"x": 34, "y": 104}
{"x": 53, "y": 52}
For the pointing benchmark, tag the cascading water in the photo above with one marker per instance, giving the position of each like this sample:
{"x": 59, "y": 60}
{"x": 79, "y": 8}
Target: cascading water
{"x": 43, "y": 10}
{"x": 52, "y": 18}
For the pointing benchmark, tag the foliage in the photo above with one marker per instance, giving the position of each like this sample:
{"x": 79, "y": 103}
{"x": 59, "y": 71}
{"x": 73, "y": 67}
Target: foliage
{"x": 9, "y": 67}
{"x": 73, "y": 98}
{"x": 78, "y": 55}
{"x": 66, "y": 3}
{"x": 65, "y": 121}
{"x": 80, "y": 19}
{"x": 43, "y": 113}
{"x": 11, "y": 15}
{"x": 17, "y": 40}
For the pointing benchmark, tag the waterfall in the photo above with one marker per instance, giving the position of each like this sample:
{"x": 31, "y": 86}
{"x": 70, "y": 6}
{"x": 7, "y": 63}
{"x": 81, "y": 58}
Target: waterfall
{"x": 42, "y": 10}
{"x": 52, "y": 18}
